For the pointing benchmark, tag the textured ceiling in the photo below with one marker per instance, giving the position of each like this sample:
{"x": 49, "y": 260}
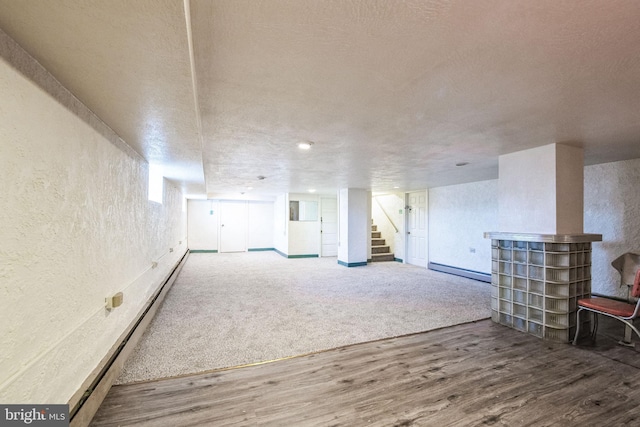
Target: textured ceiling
{"x": 393, "y": 94}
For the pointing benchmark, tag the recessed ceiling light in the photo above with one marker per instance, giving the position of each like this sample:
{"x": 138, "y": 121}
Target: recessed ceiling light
{"x": 249, "y": 188}
{"x": 305, "y": 145}
{"x": 396, "y": 187}
{"x": 462, "y": 163}
{"x": 312, "y": 190}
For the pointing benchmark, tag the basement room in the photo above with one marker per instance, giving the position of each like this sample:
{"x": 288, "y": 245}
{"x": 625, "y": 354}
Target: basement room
{"x": 319, "y": 213}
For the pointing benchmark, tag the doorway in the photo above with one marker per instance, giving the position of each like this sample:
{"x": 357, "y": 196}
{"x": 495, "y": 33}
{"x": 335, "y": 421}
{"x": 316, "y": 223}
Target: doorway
{"x": 233, "y": 226}
{"x": 416, "y": 212}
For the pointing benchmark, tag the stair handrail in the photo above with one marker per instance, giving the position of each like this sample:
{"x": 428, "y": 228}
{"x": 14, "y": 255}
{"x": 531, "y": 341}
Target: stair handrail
{"x": 386, "y": 214}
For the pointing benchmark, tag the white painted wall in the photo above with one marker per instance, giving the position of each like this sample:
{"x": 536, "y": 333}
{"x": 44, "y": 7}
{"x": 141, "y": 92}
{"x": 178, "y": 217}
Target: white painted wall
{"x": 355, "y": 225}
{"x": 261, "y": 225}
{"x": 76, "y": 228}
{"x": 281, "y": 224}
{"x": 304, "y": 236}
{"x": 458, "y": 217}
{"x": 569, "y": 189}
{"x": 612, "y": 208}
{"x": 203, "y": 226}
{"x": 393, "y": 205}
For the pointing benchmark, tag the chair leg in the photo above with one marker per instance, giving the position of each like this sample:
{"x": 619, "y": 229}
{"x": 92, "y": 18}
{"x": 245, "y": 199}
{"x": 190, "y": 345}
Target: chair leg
{"x": 628, "y": 327}
{"x": 575, "y": 338}
{"x": 594, "y": 331}
{"x": 627, "y": 337}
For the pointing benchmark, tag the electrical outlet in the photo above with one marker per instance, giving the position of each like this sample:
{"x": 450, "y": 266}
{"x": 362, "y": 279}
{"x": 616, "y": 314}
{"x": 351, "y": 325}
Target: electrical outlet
{"x": 472, "y": 250}
{"x": 114, "y": 301}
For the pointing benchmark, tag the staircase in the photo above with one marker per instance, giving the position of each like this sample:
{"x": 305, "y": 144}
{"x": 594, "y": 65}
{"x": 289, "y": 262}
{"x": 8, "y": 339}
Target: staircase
{"x": 379, "y": 250}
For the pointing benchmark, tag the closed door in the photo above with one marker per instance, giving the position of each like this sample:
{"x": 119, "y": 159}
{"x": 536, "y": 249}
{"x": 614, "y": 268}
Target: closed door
{"x": 233, "y": 226}
{"x": 329, "y": 226}
{"x": 417, "y": 228}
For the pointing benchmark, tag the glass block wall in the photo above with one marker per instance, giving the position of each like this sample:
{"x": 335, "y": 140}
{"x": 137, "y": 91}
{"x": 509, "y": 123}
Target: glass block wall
{"x": 536, "y": 285}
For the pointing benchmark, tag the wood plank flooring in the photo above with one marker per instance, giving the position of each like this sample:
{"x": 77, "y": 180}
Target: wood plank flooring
{"x": 473, "y": 374}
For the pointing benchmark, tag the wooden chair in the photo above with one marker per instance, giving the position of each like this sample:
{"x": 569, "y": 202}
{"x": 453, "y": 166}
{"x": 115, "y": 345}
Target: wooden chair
{"x": 624, "y": 312}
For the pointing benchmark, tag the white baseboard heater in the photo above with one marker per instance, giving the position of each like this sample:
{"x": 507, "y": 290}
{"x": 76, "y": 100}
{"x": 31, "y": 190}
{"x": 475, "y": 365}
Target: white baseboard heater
{"x": 470, "y": 274}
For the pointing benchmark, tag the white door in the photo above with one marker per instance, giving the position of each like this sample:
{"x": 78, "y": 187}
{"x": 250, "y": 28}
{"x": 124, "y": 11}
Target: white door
{"x": 329, "y": 226}
{"x": 233, "y": 226}
{"x": 417, "y": 228}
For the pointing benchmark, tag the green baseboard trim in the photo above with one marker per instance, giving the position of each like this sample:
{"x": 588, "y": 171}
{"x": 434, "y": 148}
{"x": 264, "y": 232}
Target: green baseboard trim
{"x": 295, "y": 256}
{"x": 261, "y": 249}
{"x": 397, "y": 259}
{"x": 352, "y": 264}
{"x": 203, "y": 251}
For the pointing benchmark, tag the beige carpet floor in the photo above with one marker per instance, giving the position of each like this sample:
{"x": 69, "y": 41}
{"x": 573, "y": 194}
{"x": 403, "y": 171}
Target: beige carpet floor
{"x": 238, "y": 308}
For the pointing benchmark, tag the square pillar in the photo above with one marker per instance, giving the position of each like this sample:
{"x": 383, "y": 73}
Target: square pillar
{"x": 541, "y": 260}
{"x": 541, "y": 190}
{"x": 355, "y": 226}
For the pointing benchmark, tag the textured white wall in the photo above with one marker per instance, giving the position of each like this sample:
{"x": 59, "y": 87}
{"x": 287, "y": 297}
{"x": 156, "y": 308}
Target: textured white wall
{"x": 612, "y": 208}
{"x": 76, "y": 228}
{"x": 458, "y": 217}
{"x": 202, "y": 226}
{"x": 393, "y": 205}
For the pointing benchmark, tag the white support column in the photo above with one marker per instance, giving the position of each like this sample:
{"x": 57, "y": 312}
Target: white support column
{"x": 541, "y": 190}
{"x": 355, "y": 226}
{"x": 541, "y": 260}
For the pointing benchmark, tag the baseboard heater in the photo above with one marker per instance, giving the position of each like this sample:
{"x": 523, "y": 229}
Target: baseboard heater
{"x": 470, "y": 274}
{"x": 82, "y": 412}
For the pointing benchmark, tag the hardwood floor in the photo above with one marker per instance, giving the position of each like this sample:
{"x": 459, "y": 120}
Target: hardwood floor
{"x": 473, "y": 374}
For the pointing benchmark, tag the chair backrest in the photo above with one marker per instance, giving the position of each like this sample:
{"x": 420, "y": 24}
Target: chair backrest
{"x": 635, "y": 291}
{"x": 627, "y": 264}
